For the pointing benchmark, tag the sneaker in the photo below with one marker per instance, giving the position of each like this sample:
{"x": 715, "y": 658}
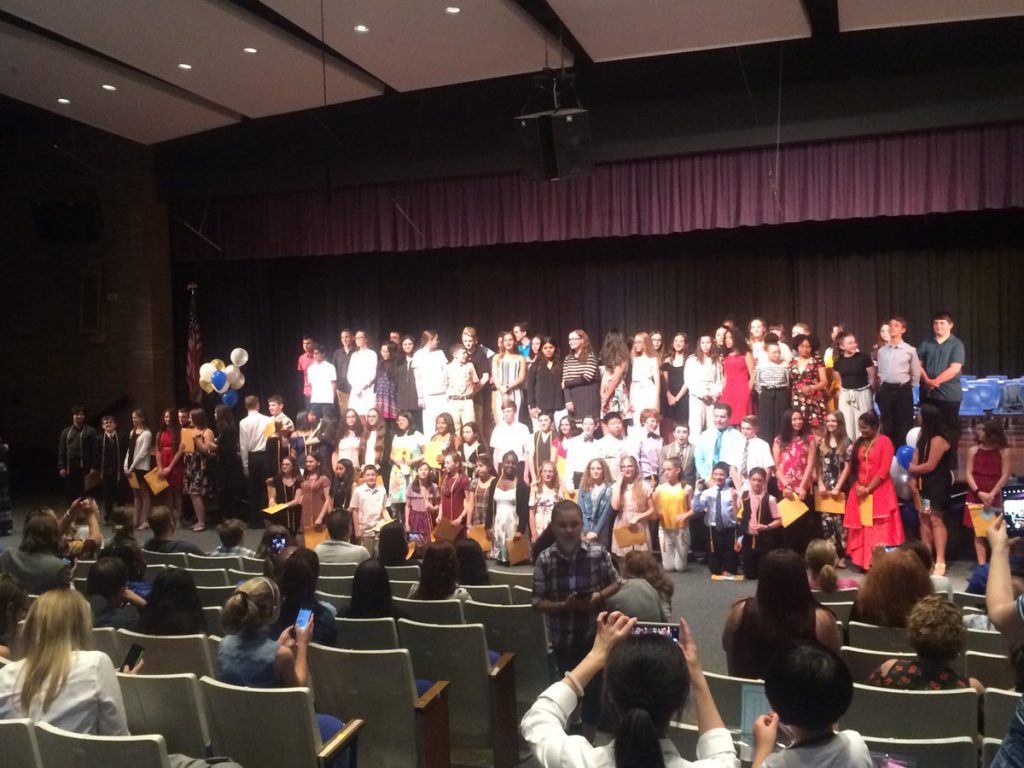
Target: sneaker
{"x": 739, "y": 577}
{"x": 717, "y": 577}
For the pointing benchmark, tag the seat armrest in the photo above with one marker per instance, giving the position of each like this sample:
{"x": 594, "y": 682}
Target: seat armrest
{"x": 435, "y": 694}
{"x": 505, "y": 732}
{"x": 432, "y": 714}
{"x": 343, "y": 738}
{"x": 502, "y": 664}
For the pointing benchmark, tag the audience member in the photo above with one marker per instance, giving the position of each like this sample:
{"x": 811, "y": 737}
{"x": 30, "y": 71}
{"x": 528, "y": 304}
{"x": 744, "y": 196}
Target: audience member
{"x": 231, "y": 534}
{"x": 162, "y": 522}
{"x": 105, "y": 587}
{"x": 14, "y": 604}
{"x": 896, "y": 581}
{"x": 822, "y": 563}
{"x": 645, "y": 593}
{"x": 371, "y": 594}
{"x": 37, "y": 563}
{"x": 393, "y": 547}
{"x": 337, "y": 548}
{"x": 275, "y": 537}
{"x": 940, "y": 584}
{"x": 173, "y": 607}
{"x": 471, "y": 565}
{"x": 80, "y": 529}
{"x": 438, "y": 575}
{"x": 297, "y": 583}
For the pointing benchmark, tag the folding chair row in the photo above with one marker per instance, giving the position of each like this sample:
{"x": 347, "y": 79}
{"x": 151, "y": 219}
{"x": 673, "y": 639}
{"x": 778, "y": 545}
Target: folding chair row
{"x": 889, "y": 714}
{"x": 522, "y": 578}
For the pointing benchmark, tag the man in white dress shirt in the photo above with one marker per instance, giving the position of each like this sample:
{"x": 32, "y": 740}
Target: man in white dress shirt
{"x": 614, "y": 445}
{"x": 428, "y": 366}
{"x": 362, "y": 373}
{"x": 754, "y": 453}
{"x": 720, "y": 443}
{"x": 579, "y": 451}
{"x": 323, "y": 384}
{"x": 252, "y": 446}
{"x": 510, "y": 435}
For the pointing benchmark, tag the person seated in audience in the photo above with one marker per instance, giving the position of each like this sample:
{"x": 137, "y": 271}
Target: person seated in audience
{"x": 976, "y": 585}
{"x": 105, "y": 587}
{"x": 938, "y": 636}
{"x": 232, "y": 533}
{"x": 940, "y": 584}
{"x": 250, "y": 655}
{"x": 782, "y": 610}
{"x": 896, "y": 581}
{"x": 649, "y": 679}
{"x": 393, "y": 547}
{"x": 80, "y": 528}
{"x": 337, "y": 548}
{"x": 37, "y": 563}
{"x": 371, "y": 594}
{"x": 438, "y": 575}
{"x": 128, "y": 551}
{"x": 297, "y": 583}
{"x": 272, "y": 533}
{"x": 173, "y": 607}
{"x": 809, "y": 689}
{"x": 13, "y": 607}
{"x": 822, "y": 562}
{"x": 644, "y": 593}
{"x": 61, "y": 683}
{"x": 471, "y": 565}
{"x": 162, "y": 522}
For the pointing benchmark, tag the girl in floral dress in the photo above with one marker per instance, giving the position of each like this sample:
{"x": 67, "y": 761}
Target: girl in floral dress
{"x": 807, "y": 381}
{"x": 421, "y": 504}
{"x": 834, "y": 455}
{"x": 793, "y": 452}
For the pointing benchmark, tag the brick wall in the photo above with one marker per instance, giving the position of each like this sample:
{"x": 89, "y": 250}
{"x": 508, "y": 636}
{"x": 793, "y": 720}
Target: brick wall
{"x": 48, "y": 362}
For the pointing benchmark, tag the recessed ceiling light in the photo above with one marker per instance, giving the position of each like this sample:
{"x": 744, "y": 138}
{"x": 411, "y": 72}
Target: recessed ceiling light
{"x": 249, "y": 50}
{"x": 362, "y": 29}
{"x": 452, "y": 10}
{"x": 108, "y": 87}
{"x": 63, "y": 101}
{"x": 184, "y": 66}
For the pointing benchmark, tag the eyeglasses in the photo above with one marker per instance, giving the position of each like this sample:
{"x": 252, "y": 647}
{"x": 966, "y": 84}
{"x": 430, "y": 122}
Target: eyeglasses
{"x": 574, "y": 338}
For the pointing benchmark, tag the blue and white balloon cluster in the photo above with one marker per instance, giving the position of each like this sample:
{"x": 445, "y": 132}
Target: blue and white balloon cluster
{"x": 225, "y": 380}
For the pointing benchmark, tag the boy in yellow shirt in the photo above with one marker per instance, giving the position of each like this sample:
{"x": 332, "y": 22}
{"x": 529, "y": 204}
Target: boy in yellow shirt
{"x": 673, "y": 509}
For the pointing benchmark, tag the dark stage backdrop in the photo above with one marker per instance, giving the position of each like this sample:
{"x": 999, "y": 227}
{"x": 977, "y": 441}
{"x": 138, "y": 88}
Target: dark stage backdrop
{"x": 856, "y": 272}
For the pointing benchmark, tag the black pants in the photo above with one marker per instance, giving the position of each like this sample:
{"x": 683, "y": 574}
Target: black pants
{"x": 566, "y": 659}
{"x": 755, "y": 548}
{"x": 896, "y": 405}
{"x": 722, "y": 555}
{"x": 772, "y": 404}
{"x": 109, "y": 495}
{"x": 74, "y": 485}
{"x": 257, "y": 487}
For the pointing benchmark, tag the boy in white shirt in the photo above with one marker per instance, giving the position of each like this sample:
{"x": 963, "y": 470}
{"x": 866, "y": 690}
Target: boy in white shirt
{"x": 754, "y": 453}
{"x": 368, "y": 507}
{"x": 809, "y": 688}
{"x": 579, "y": 451}
{"x": 460, "y": 383}
{"x": 510, "y": 435}
{"x": 614, "y": 444}
{"x": 323, "y": 384}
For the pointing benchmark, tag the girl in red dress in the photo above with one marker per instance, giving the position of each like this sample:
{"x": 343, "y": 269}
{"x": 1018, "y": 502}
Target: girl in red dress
{"x": 988, "y": 469}
{"x": 738, "y": 365}
{"x": 168, "y": 458}
{"x": 871, "y": 463}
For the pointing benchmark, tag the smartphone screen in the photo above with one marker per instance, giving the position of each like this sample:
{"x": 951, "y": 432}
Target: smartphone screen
{"x": 277, "y": 544}
{"x": 1013, "y": 509}
{"x": 304, "y": 617}
{"x": 132, "y": 657}
{"x": 670, "y": 631}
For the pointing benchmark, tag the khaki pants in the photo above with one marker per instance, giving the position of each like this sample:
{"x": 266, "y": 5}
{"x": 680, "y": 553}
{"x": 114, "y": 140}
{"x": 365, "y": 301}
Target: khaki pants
{"x": 462, "y": 412}
{"x": 369, "y": 540}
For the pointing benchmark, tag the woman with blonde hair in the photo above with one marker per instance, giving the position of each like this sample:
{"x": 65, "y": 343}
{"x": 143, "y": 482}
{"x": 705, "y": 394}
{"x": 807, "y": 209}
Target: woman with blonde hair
{"x": 508, "y": 372}
{"x": 544, "y": 494}
{"x": 632, "y": 504}
{"x": 138, "y": 461}
{"x": 644, "y": 376}
{"x": 833, "y": 472}
{"x": 821, "y": 566}
{"x": 579, "y": 378}
{"x": 595, "y": 501}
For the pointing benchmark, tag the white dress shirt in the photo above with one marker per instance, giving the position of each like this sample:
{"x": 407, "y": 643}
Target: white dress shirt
{"x": 510, "y": 437}
{"x": 89, "y": 703}
{"x": 580, "y": 451}
{"x": 252, "y": 436}
{"x": 428, "y": 367}
{"x": 362, "y": 369}
{"x": 320, "y": 375}
{"x": 704, "y": 449}
{"x": 613, "y": 449}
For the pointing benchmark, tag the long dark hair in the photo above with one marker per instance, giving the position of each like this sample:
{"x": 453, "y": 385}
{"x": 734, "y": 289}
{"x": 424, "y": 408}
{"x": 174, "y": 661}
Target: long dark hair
{"x": 392, "y": 547}
{"x": 647, "y": 683}
{"x": 371, "y": 592}
{"x": 471, "y": 566}
{"x": 298, "y": 583}
{"x": 868, "y": 419}
{"x": 933, "y": 424}
{"x": 173, "y": 606}
{"x": 173, "y": 428}
{"x": 341, "y": 487}
{"x": 437, "y": 573}
{"x": 787, "y": 434}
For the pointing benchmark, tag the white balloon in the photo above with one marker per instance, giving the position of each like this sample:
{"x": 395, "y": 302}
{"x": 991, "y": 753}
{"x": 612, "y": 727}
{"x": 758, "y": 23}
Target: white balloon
{"x": 912, "y": 436}
{"x": 232, "y": 372}
{"x": 206, "y": 370}
{"x": 239, "y": 356}
{"x": 239, "y": 382}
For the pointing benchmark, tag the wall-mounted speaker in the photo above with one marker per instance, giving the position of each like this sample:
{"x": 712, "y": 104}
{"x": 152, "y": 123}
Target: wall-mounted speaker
{"x": 555, "y": 144}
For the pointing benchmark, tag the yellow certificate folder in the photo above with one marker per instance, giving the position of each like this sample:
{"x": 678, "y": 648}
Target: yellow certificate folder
{"x": 188, "y": 439}
{"x": 981, "y": 518}
{"x": 478, "y": 533}
{"x": 791, "y": 510}
{"x": 828, "y": 505}
{"x": 271, "y": 429}
{"x": 627, "y": 538}
{"x": 133, "y": 481}
{"x": 867, "y": 511}
{"x": 273, "y": 509}
{"x": 156, "y": 483}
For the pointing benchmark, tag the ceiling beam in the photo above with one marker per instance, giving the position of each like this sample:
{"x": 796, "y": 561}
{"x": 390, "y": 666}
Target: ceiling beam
{"x": 824, "y": 17}
{"x": 541, "y": 12}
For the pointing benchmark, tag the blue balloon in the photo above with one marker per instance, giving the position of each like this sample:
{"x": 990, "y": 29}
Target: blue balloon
{"x": 230, "y": 398}
{"x": 903, "y": 455}
{"x": 219, "y": 379}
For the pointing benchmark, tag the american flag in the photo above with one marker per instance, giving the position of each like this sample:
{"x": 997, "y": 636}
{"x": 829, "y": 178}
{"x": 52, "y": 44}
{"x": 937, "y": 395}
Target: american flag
{"x": 194, "y": 352}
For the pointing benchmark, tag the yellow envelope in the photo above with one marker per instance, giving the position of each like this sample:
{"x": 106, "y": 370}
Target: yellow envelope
{"x": 867, "y": 511}
{"x": 478, "y": 533}
{"x": 432, "y": 454}
{"x": 981, "y": 518}
{"x": 385, "y": 520}
{"x": 271, "y": 429}
{"x": 133, "y": 481}
{"x": 446, "y": 530}
{"x": 313, "y": 535}
{"x": 518, "y": 550}
{"x": 274, "y": 508}
{"x": 627, "y": 538}
{"x": 791, "y": 510}
{"x": 828, "y": 505}
{"x": 188, "y": 439}
{"x": 156, "y": 483}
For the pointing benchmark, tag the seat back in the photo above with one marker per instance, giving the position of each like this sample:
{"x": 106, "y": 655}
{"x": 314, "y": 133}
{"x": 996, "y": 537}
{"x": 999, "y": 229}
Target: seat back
{"x": 848, "y": 595}
{"x": 431, "y": 611}
{"x": 1000, "y": 707}
{"x": 457, "y": 654}
{"x": 338, "y": 569}
{"x": 105, "y": 639}
{"x": 495, "y": 594}
{"x": 171, "y": 559}
{"x": 517, "y": 629}
{"x": 209, "y": 577}
{"x": 253, "y": 565}
{"x": 336, "y": 585}
{"x": 379, "y": 686}
{"x": 921, "y": 714}
{"x": 522, "y": 596}
{"x": 236, "y": 577}
{"x": 82, "y": 568}
{"x": 980, "y": 641}
{"x": 18, "y": 744}
{"x": 206, "y": 562}
{"x": 215, "y": 596}
{"x": 863, "y": 662}
{"x": 367, "y": 634}
{"x": 212, "y": 614}
{"x": 403, "y": 572}
{"x": 989, "y": 749}
{"x": 874, "y": 638}
{"x": 728, "y": 695}
{"x": 992, "y": 670}
{"x": 841, "y": 611}
{"x": 153, "y": 570}
{"x": 684, "y": 737}
{"x": 958, "y": 752}
{"x": 171, "y": 655}
{"x": 967, "y": 599}
{"x": 522, "y": 578}
{"x": 261, "y": 727}
{"x": 169, "y": 705}
{"x": 403, "y": 588}
{"x": 63, "y": 748}
{"x": 340, "y": 602}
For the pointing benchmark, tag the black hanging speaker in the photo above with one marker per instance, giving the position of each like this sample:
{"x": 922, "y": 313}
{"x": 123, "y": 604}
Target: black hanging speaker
{"x": 555, "y": 144}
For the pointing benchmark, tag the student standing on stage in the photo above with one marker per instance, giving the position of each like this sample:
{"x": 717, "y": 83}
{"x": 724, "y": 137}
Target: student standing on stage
{"x": 77, "y": 454}
{"x": 460, "y": 383}
{"x": 169, "y": 458}
{"x": 544, "y": 383}
{"x": 323, "y": 383}
{"x": 340, "y": 360}
{"x": 942, "y": 358}
{"x": 673, "y": 384}
{"x": 760, "y": 523}
{"x": 899, "y": 371}
{"x": 407, "y": 399}
{"x": 111, "y": 457}
{"x": 368, "y": 508}
{"x": 718, "y": 504}
{"x": 719, "y": 443}
{"x": 305, "y": 360}
{"x": 480, "y": 357}
{"x": 580, "y": 450}
{"x": 614, "y": 445}
{"x": 857, "y": 375}
{"x": 279, "y": 442}
{"x": 580, "y": 378}
{"x": 771, "y": 381}
{"x": 755, "y": 453}
{"x": 252, "y": 446}
{"x": 428, "y": 365}
{"x": 681, "y": 448}
{"x": 542, "y": 447}
{"x": 362, "y": 374}
{"x": 703, "y": 377}
{"x": 454, "y": 505}
{"x": 508, "y": 372}
{"x": 510, "y": 435}
{"x": 139, "y": 461}
{"x": 672, "y": 508}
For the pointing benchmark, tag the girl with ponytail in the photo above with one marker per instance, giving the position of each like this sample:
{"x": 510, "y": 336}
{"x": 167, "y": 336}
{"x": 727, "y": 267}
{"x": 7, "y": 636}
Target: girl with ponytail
{"x": 648, "y": 679}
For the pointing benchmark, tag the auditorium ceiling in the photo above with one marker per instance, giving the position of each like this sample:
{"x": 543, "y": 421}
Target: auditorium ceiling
{"x": 155, "y": 70}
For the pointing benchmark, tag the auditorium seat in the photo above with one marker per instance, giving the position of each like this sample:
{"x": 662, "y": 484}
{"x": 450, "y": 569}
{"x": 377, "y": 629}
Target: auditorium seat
{"x": 957, "y": 752}
{"x": 402, "y": 728}
{"x": 63, "y": 748}
{"x": 966, "y": 599}
{"x": 838, "y": 596}
{"x": 841, "y": 611}
{"x": 862, "y": 662}
{"x": 890, "y": 714}
{"x": 684, "y": 737}
{"x": 153, "y": 570}
{"x": 980, "y": 641}
{"x": 206, "y": 562}
{"x": 727, "y": 691}
{"x": 212, "y": 614}
{"x": 335, "y": 585}
{"x": 253, "y": 565}
{"x": 875, "y": 638}
{"x": 236, "y": 577}
{"x": 403, "y": 572}
{"x": 522, "y": 596}
{"x": 209, "y": 577}
{"x": 338, "y": 569}
{"x": 169, "y": 655}
{"x": 989, "y": 748}
{"x": 495, "y": 594}
{"x": 512, "y": 578}
{"x": 215, "y": 596}
{"x": 992, "y": 670}
{"x": 340, "y": 602}
{"x": 170, "y": 705}
{"x": 431, "y": 611}
{"x": 18, "y": 744}
{"x": 999, "y": 709}
{"x": 82, "y": 568}
{"x": 270, "y": 727}
{"x": 367, "y": 634}
{"x": 174, "y": 559}
{"x": 105, "y": 639}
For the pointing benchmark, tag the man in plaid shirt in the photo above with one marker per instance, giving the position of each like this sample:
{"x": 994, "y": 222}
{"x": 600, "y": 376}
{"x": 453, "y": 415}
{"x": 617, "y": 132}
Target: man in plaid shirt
{"x": 571, "y": 580}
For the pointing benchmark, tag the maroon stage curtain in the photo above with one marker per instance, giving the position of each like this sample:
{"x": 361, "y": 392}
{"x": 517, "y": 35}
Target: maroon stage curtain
{"x": 962, "y": 169}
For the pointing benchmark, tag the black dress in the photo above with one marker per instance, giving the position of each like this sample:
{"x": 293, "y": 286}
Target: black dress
{"x": 680, "y": 412}
{"x": 230, "y": 481}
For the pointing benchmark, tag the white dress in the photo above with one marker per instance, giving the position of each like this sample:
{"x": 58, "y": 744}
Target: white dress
{"x": 643, "y": 391}
{"x": 506, "y": 521}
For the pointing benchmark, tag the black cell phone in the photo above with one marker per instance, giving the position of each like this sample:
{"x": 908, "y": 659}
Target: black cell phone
{"x": 1013, "y": 510}
{"x": 277, "y": 544}
{"x": 132, "y": 657}
{"x": 670, "y": 631}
